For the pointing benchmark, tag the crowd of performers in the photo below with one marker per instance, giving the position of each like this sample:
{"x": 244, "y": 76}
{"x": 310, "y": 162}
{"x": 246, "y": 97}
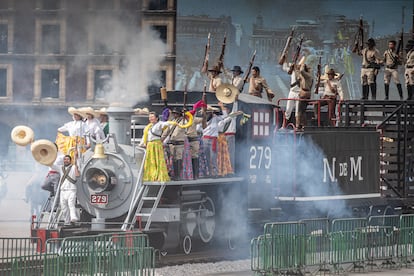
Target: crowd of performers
{"x": 179, "y": 146}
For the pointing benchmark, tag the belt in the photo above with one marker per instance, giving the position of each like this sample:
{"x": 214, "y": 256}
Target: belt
{"x": 154, "y": 140}
{"x": 176, "y": 143}
{"x": 391, "y": 67}
{"x": 306, "y": 90}
{"x": 210, "y": 137}
{"x": 257, "y": 94}
{"x": 52, "y": 172}
{"x": 192, "y": 139}
{"x": 409, "y": 66}
{"x": 229, "y": 133}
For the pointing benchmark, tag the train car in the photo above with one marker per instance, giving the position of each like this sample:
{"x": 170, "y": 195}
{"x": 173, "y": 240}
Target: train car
{"x": 279, "y": 175}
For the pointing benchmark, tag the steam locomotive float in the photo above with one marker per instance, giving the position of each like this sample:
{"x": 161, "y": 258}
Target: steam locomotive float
{"x": 360, "y": 167}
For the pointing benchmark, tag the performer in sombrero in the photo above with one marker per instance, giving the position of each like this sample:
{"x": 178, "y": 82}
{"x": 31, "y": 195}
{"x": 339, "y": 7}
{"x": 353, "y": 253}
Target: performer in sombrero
{"x": 77, "y": 130}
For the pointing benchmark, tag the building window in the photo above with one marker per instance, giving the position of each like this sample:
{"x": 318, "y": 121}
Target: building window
{"x": 50, "y": 36}
{"x": 51, "y": 4}
{"x": 158, "y": 5}
{"x": 50, "y": 39}
{"x": 261, "y": 123}
{"x": 4, "y": 35}
{"x": 162, "y": 31}
{"x": 50, "y": 84}
{"x": 6, "y": 83}
{"x": 155, "y": 88}
{"x": 3, "y": 82}
{"x": 102, "y": 83}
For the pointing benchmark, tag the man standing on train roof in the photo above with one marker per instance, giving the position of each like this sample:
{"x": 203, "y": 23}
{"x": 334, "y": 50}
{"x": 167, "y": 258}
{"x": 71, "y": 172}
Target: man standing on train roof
{"x": 174, "y": 137}
{"x": 69, "y": 174}
{"x": 237, "y": 79}
{"x": 257, "y": 84}
{"x": 215, "y": 80}
{"x": 305, "y": 84}
{"x": 391, "y": 61}
{"x": 409, "y": 69}
{"x": 371, "y": 62}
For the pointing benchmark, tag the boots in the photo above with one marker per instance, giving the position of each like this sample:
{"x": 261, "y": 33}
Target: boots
{"x": 298, "y": 121}
{"x": 399, "y": 88}
{"x": 194, "y": 162}
{"x": 365, "y": 91}
{"x": 373, "y": 87}
{"x": 178, "y": 167}
{"x": 387, "y": 91}
{"x": 410, "y": 92}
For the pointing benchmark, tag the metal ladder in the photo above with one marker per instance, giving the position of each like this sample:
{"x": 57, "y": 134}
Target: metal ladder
{"x": 55, "y": 212}
{"x": 149, "y": 195}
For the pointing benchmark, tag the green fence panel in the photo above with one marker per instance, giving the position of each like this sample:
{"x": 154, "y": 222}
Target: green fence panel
{"x": 382, "y": 238}
{"x": 406, "y": 239}
{"x": 260, "y": 252}
{"x": 317, "y": 246}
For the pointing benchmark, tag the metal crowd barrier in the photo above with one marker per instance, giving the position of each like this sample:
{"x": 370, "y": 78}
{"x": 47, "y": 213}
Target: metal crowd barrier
{"x": 123, "y": 253}
{"x": 322, "y": 246}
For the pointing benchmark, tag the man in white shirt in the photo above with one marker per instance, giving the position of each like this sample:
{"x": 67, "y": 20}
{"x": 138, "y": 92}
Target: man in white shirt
{"x": 69, "y": 174}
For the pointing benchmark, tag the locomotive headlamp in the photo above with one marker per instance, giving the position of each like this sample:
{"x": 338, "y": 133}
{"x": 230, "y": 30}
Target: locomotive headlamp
{"x": 99, "y": 152}
{"x": 100, "y": 180}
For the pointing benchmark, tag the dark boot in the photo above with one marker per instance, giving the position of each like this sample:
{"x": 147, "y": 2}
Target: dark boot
{"x": 373, "y": 87}
{"x": 410, "y": 92}
{"x": 178, "y": 164}
{"x": 387, "y": 91}
{"x": 365, "y": 91}
{"x": 399, "y": 88}
{"x": 195, "y": 165}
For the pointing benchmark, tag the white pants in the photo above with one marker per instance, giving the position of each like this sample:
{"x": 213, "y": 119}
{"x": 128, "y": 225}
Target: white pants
{"x": 68, "y": 205}
{"x": 290, "y": 104}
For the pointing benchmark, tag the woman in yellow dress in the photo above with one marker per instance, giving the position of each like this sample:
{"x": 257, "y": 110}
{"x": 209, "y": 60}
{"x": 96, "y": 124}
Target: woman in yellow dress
{"x": 155, "y": 168}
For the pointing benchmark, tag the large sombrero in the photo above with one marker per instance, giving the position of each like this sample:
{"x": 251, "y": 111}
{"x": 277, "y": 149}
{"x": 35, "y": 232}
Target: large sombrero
{"x": 102, "y": 111}
{"x": 44, "y": 152}
{"x": 72, "y": 111}
{"x": 227, "y": 93}
{"x": 22, "y": 135}
{"x": 87, "y": 110}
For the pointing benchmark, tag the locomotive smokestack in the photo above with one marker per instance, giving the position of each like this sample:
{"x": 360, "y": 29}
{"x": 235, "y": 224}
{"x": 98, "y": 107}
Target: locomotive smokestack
{"x": 120, "y": 123}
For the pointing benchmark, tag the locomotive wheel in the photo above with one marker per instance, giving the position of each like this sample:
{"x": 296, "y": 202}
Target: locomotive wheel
{"x": 187, "y": 244}
{"x": 206, "y": 220}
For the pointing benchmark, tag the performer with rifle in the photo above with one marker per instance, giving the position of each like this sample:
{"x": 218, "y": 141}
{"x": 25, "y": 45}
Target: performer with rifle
{"x": 331, "y": 88}
{"x": 371, "y": 63}
{"x": 392, "y": 60}
{"x": 249, "y": 70}
{"x": 409, "y": 69}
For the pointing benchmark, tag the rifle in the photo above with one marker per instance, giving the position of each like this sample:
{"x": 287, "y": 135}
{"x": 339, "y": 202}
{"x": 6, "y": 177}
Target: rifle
{"x": 163, "y": 92}
{"x": 359, "y": 38}
{"x": 399, "y": 50}
{"x": 204, "y": 99}
{"x": 221, "y": 58}
{"x": 185, "y": 98}
{"x": 204, "y": 68}
{"x": 284, "y": 53}
{"x": 296, "y": 57}
{"x": 318, "y": 76}
{"x": 248, "y": 71}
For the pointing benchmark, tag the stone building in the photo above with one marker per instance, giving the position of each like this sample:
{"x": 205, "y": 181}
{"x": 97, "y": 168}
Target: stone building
{"x": 60, "y": 53}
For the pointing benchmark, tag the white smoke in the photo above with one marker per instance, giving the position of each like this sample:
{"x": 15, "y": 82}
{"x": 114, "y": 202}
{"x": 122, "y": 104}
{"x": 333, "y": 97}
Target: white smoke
{"x": 135, "y": 53}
